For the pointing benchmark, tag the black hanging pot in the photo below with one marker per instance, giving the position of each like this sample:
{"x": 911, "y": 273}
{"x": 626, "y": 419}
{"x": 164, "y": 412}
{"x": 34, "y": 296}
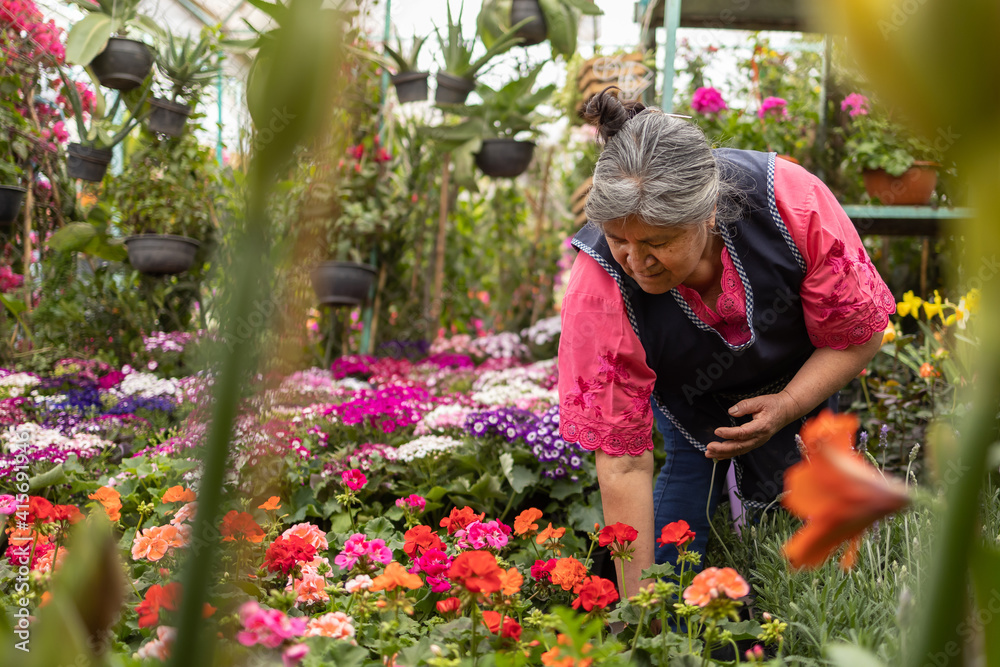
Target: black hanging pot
{"x": 504, "y": 158}
{"x": 123, "y": 64}
{"x": 411, "y": 86}
{"x": 168, "y": 117}
{"x": 161, "y": 254}
{"x": 89, "y": 164}
{"x": 452, "y": 89}
{"x": 533, "y": 32}
{"x": 11, "y": 197}
{"x": 342, "y": 283}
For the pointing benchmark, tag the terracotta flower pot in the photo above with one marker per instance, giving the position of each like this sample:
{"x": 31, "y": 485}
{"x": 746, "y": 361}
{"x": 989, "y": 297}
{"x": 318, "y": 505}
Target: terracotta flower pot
{"x": 914, "y": 188}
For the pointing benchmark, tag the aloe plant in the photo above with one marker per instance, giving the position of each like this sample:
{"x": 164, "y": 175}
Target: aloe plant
{"x": 103, "y": 131}
{"x": 562, "y": 20}
{"x": 88, "y": 36}
{"x": 405, "y": 59}
{"x": 456, "y": 51}
{"x": 188, "y": 65}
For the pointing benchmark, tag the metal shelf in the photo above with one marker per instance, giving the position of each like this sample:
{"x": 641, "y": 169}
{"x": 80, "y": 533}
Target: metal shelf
{"x": 903, "y": 220}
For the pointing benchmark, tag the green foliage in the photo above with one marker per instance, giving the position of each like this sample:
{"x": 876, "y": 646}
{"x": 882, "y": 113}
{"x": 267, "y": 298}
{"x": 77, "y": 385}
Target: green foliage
{"x": 406, "y": 59}
{"x": 88, "y": 36}
{"x": 457, "y": 52}
{"x": 562, "y": 18}
{"x": 103, "y": 128}
{"x": 188, "y": 65}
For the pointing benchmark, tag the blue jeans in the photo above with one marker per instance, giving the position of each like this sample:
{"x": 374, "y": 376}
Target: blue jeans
{"x": 682, "y": 489}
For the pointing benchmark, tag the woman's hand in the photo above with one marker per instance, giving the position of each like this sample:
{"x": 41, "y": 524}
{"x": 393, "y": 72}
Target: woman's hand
{"x": 771, "y": 413}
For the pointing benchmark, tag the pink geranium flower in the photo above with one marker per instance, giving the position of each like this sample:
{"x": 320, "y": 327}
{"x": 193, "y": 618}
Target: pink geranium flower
{"x": 707, "y": 100}
{"x": 310, "y": 533}
{"x": 774, "y": 106}
{"x": 857, "y": 103}
{"x": 268, "y": 627}
{"x": 353, "y": 479}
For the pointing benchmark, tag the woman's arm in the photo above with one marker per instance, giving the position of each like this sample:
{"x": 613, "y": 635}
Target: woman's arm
{"x": 825, "y": 372}
{"x": 627, "y": 496}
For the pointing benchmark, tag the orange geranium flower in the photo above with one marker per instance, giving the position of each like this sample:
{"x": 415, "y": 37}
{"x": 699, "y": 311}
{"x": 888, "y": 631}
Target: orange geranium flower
{"x": 477, "y": 571}
{"x": 273, "y": 503}
{"x": 524, "y": 523}
{"x": 712, "y": 582}
{"x": 554, "y": 658}
{"x": 178, "y": 494}
{"x": 836, "y": 492}
{"x": 394, "y": 576}
{"x": 240, "y": 526}
{"x": 568, "y": 572}
{"x": 511, "y": 581}
{"x": 550, "y": 533}
{"x": 419, "y": 539}
{"x": 594, "y": 592}
{"x": 149, "y": 546}
{"x": 460, "y": 518}
{"x": 110, "y": 500}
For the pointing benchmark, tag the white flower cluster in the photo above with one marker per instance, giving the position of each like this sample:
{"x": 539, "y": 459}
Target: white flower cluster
{"x": 518, "y": 392}
{"x": 35, "y": 437}
{"x": 504, "y": 345}
{"x": 146, "y": 385}
{"x": 534, "y": 373}
{"x": 442, "y": 417}
{"x": 17, "y": 383}
{"x": 424, "y": 446}
{"x": 543, "y": 331}
{"x": 309, "y": 380}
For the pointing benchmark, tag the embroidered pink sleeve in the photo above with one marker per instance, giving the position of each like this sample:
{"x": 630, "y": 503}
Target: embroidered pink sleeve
{"x": 604, "y": 383}
{"x": 844, "y": 299}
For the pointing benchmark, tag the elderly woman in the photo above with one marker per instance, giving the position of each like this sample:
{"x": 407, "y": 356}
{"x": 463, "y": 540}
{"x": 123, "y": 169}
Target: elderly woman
{"x": 722, "y": 293}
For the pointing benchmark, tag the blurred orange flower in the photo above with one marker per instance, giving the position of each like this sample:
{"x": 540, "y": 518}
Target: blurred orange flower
{"x": 110, "y": 500}
{"x": 240, "y": 526}
{"x": 178, "y": 494}
{"x": 273, "y": 503}
{"x": 836, "y": 492}
{"x": 477, "y": 571}
{"x": 712, "y": 582}
{"x": 394, "y": 576}
{"x": 511, "y": 581}
{"x": 550, "y": 533}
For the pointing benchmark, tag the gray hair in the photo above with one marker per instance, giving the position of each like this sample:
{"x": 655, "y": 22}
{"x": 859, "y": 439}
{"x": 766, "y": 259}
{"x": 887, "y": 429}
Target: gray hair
{"x": 660, "y": 169}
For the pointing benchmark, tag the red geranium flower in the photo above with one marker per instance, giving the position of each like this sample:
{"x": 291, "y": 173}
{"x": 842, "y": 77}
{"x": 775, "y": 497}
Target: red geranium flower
{"x": 39, "y": 509}
{"x": 678, "y": 533}
{"x": 542, "y": 569}
{"x": 241, "y": 526}
{"x": 594, "y": 592}
{"x": 419, "y": 539}
{"x": 617, "y": 532}
{"x": 477, "y": 571}
{"x": 497, "y": 624}
{"x": 460, "y": 518}
{"x": 285, "y": 553}
{"x": 69, "y": 513}
{"x": 448, "y": 605}
{"x": 163, "y": 597}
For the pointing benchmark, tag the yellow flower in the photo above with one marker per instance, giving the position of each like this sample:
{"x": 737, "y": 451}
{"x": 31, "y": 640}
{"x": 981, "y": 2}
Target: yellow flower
{"x": 889, "y": 334}
{"x": 972, "y": 301}
{"x": 932, "y": 308}
{"x": 910, "y": 305}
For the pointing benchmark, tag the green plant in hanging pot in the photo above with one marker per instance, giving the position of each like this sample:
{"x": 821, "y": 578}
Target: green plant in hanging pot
{"x": 410, "y": 83}
{"x": 558, "y": 21}
{"x": 15, "y": 147}
{"x": 898, "y": 166}
{"x": 457, "y": 76}
{"x": 188, "y": 66}
{"x": 165, "y": 205}
{"x": 98, "y": 41}
{"x": 100, "y": 131}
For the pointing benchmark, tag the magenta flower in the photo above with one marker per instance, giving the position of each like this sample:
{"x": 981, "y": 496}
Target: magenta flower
{"x": 434, "y": 563}
{"x": 708, "y": 100}
{"x": 268, "y": 627}
{"x": 8, "y": 504}
{"x": 355, "y": 547}
{"x": 857, "y": 103}
{"x": 377, "y": 551}
{"x": 9, "y": 280}
{"x": 353, "y": 479}
{"x": 774, "y": 106}
{"x": 293, "y": 655}
{"x": 412, "y": 502}
{"x": 479, "y": 535}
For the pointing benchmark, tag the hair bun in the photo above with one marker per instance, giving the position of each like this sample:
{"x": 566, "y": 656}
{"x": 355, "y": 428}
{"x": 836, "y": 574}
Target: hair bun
{"x": 608, "y": 113}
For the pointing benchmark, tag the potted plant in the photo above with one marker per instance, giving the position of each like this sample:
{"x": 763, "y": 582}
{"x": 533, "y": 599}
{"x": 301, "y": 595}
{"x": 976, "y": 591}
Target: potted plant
{"x": 555, "y": 20}
{"x": 189, "y": 66}
{"x": 89, "y": 158}
{"x": 98, "y": 41}
{"x": 457, "y": 77}
{"x": 509, "y": 114}
{"x": 14, "y": 147}
{"x": 898, "y": 167}
{"x": 165, "y": 199}
{"x": 411, "y": 84}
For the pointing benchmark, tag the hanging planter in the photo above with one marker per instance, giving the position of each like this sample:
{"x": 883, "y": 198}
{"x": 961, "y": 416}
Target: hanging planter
{"x": 342, "y": 283}
{"x": 535, "y": 30}
{"x": 168, "y": 117}
{"x": 453, "y": 89}
{"x": 411, "y": 86}
{"x": 914, "y": 187}
{"x": 86, "y": 163}
{"x": 11, "y": 197}
{"x": 505, "y": 158}
{"x": 161, "y": 254}
{"x": 123, "y": 64}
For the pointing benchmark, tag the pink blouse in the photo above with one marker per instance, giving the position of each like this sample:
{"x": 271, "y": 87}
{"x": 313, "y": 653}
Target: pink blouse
{"x": 604, "y": 382}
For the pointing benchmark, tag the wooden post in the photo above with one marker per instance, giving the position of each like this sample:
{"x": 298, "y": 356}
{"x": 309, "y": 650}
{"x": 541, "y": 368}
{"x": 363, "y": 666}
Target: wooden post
{"x": 437, "y": 301}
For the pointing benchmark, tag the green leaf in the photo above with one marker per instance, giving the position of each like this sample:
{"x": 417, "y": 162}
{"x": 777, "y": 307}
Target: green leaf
{"x": 562, "y": 33}
{"x": 985, "y": 564}
{"x": 74, "y": 237}
{"x": 87, "y": 38}
{"x": 380, "y": 528}
{"x": 56, "y": 475}
{"x": 436, "y": 493}
{"x": 658, "y": 571}
{"x": 585, "y": 6}
{"x": 521, "y": 478}
{"x": 849, "y": 655}
{"x": 563, "y": 488}
{"x": 742, "y": 630}
{"x": 15, "y": 306}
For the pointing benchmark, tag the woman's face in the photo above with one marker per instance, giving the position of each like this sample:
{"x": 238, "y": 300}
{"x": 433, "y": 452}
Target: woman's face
{"x": 658, "y": 258}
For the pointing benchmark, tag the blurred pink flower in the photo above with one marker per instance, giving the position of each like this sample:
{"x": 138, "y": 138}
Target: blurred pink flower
{"x": 775, "y": 106}
{"x": 708, "y": 100}
{"x": 857, "y": 103}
